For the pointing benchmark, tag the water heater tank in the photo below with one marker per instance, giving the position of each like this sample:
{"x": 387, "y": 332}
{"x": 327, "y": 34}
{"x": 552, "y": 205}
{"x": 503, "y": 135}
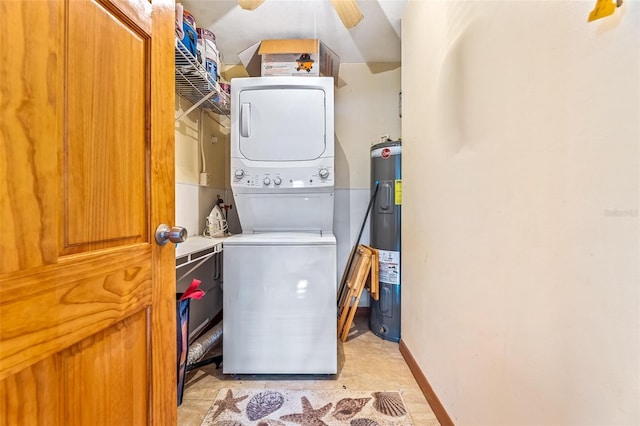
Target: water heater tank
{"x": 386, "y": 162}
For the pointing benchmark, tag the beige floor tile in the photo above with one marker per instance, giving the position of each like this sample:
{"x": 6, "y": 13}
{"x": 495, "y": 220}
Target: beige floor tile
{"x": 365, "y": 362}
{"x": 192, "y": 412}
{"x": 422, "y": 418}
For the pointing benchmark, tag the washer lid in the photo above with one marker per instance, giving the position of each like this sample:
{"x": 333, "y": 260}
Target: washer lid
{"x": 281, "y": 238}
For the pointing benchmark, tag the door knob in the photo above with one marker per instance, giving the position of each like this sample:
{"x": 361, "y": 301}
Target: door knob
{"x": 177, "y": 234}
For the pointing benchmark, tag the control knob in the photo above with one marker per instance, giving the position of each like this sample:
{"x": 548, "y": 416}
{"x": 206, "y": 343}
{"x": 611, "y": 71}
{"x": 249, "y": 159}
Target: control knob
{"x": 239, "y": 174}
{"x": 277, "y": 181}
{"x": 266, "y": 181}
{"x": 324, "y": 173}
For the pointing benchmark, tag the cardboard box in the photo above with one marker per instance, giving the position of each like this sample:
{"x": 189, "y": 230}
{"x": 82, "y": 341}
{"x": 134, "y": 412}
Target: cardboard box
{"x": 306, "y": 57}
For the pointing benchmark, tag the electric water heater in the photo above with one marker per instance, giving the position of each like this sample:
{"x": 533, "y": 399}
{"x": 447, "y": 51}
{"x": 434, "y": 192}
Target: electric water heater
{"x": 386, "y": 161}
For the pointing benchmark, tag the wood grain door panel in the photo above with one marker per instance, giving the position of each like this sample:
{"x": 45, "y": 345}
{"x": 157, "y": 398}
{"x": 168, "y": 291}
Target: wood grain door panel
{"x": 31, "y": 102}
{"x": 94, "y": 294}
{"x": 108, "y": 90}
{"x": 31, "y": 397}
{"x": 122, "y": 350}
{"x": 87, "y": 298}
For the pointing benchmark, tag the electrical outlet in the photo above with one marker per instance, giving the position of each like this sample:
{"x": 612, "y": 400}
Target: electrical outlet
{"x": 204, "y": 179}
{"x": 214, "y": 139}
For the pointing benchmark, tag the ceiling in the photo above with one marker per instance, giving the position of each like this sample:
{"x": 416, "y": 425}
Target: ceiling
{"x": 375, "y": 39}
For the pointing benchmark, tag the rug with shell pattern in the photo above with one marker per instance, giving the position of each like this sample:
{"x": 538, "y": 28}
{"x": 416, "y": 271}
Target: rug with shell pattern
{"x": 266, "y": 407}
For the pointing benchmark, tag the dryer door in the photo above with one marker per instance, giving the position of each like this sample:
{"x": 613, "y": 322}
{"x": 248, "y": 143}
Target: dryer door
{"x": 282, "y": 124}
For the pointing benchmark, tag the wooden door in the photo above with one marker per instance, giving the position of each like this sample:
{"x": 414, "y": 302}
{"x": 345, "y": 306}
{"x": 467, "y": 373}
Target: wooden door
{"x": 87, "y": 298}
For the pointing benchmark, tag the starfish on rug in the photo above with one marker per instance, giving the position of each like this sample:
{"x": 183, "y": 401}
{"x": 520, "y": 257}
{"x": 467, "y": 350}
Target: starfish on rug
{"x": 309, "y": 416}
{"x": 228, "y": 403}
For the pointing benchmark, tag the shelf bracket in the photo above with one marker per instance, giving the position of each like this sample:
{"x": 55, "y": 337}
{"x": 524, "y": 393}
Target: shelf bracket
{"x": 196, "y": 105}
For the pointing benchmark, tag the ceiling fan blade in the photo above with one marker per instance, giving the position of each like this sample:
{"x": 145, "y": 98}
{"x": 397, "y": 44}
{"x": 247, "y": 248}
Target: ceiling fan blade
{"x": 249, "y": 4}
{"x": 348, "y": 11}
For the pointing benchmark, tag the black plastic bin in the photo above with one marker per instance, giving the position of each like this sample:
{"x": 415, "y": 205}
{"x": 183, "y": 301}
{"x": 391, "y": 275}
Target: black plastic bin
{"x": 182, "y": 342}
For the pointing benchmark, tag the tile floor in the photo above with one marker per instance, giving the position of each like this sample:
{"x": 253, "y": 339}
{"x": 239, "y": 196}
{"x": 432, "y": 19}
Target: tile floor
{"x": 365, "y": 362}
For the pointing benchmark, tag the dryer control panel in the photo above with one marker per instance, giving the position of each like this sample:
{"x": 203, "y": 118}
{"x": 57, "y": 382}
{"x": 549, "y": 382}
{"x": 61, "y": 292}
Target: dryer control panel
{"x": 283, "y": 178}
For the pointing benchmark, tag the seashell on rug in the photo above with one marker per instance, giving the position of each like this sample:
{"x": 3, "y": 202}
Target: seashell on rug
{"x": 263, "y": 404}
{"x": 277, "y": 407}
{"x": 389, "y": 403}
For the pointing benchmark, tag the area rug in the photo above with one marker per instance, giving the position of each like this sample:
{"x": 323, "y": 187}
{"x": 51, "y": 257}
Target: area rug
{"x": 267, "y": 407}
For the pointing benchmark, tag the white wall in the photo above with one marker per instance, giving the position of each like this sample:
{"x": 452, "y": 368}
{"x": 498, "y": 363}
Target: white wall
{"x": 195, "y": 201}
{"x": 366, "y": 106}
{"x": 520, "y": 216}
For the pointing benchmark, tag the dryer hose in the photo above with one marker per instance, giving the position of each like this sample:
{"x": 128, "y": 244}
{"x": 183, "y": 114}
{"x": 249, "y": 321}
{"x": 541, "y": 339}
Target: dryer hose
{"x": 202, "y": 345}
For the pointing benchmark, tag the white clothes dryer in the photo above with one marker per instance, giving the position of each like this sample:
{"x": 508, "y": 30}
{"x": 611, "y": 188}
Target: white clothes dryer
{"x": 280, "y": 274}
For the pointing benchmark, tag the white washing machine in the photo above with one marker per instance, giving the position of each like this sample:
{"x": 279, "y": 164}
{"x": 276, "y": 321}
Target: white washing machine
{"x": 280, "y": 274}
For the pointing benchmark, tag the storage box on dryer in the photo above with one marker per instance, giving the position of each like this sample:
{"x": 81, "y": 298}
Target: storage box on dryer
{"x": 304, "y": 57}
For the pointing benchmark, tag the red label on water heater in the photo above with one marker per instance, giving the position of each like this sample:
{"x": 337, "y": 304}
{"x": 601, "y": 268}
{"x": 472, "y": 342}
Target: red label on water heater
{"x": 386, "y": 153}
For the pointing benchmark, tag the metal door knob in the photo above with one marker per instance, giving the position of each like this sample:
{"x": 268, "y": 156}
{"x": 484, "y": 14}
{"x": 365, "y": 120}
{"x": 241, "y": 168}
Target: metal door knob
{"x": 164, "y": 234}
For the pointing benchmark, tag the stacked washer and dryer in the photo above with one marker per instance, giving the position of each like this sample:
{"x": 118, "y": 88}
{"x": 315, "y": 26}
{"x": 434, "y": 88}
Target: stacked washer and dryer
{"x": 279, "y": 296}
